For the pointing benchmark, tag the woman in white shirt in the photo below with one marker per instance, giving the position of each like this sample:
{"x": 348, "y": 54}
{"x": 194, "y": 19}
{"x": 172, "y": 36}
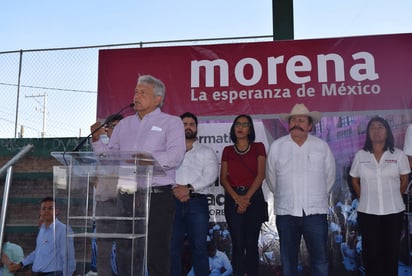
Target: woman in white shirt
{"x": 379, "y": 177}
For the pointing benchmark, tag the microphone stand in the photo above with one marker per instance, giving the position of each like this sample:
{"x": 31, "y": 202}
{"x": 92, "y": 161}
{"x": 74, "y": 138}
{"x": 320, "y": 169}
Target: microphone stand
{"x": 77, "y": 148}
{"x": 79, "y": 145}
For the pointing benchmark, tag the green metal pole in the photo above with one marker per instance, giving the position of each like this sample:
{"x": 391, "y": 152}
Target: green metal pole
{"x": 282, "y": 11}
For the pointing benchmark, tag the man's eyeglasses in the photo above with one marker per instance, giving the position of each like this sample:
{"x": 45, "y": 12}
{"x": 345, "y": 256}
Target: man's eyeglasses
{"x": 47, "y": 208}
{"x": 240, "y": 124}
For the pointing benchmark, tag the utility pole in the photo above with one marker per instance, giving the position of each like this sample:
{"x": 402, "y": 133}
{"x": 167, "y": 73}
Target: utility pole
{"x": 43, "y": 110}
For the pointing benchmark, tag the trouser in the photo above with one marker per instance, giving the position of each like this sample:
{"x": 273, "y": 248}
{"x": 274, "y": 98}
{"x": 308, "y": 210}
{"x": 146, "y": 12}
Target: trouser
{"x": 159, "y": 233}
{"x": 380, "y": 243}
{"x": 105, "y": 262}
{"x": 191, "y": 219}
{"x": 161, "y": 216}
{"x": 244, "y": 231}
{"x": 314, "y": 229}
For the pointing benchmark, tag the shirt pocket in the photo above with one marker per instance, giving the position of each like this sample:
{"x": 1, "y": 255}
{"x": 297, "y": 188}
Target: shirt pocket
{"x": 155, "y": 140}
{"x": 284, "y": 165}
{"x": 315, "y": 162}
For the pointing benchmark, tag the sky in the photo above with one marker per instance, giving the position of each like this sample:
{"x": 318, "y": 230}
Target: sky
{"x": 54, "y": 24}
{"x": 49, "y": 24}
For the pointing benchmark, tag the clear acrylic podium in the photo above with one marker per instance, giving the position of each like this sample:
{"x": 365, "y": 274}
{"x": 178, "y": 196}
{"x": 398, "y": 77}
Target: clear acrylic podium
{"x": 104, "y": 198}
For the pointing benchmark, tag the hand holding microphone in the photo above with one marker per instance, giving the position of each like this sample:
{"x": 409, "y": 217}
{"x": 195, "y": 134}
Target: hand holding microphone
{"x": 97, "y": 129}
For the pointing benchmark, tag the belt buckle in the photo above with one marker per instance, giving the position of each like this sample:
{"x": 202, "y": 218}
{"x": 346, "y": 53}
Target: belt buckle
{"x": 242, "y": 188}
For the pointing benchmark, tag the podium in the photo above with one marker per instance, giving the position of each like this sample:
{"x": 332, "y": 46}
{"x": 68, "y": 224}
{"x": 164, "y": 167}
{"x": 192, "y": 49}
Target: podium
{"x": 104, "y": 198}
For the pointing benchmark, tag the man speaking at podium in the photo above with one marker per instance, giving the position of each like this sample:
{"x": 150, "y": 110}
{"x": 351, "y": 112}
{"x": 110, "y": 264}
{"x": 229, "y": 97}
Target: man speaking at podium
{"x": 150, "y": 130}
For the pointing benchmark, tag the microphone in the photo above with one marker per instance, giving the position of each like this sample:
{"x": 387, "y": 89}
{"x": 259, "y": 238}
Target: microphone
{"x": 108, "y": 120}
{"x": 112, "y": 117}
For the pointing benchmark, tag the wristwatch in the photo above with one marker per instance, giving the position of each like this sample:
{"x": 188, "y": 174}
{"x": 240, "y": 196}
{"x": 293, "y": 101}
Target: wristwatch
{"x": 191, "y": 189}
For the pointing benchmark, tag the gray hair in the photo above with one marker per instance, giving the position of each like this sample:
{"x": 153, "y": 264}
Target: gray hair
{"x": 158, "y": 86}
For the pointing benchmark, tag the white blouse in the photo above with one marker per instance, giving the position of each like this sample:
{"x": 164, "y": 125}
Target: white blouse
{"x": 407, "y": 146}
{"x": 380, "y": 182}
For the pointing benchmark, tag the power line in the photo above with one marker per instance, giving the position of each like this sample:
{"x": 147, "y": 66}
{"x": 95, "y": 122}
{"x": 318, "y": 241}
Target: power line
{"x": 49, "y": 88}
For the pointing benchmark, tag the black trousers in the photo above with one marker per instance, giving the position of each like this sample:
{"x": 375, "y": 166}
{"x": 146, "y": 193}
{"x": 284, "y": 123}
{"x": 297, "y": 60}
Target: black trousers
{"x": 159, "y": 236}
{"x": 381, "y": 236}
{"x": 244, "y": 232}
{"x": 161, "y": 217}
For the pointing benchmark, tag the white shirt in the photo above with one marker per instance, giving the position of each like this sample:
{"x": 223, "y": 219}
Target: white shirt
{"x": 380, "y": 182}
{"x": 300, "y": 177}
{"x": 199, "y": 168}
{"x": 407, "y": 145}
{"x": 216, "y": 265}
{"x": 219, "y": 261}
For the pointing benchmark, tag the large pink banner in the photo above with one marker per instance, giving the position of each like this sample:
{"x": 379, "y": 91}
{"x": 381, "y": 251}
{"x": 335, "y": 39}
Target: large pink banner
{"x": 347, "y": 79}
{"x": 329, "y": 75}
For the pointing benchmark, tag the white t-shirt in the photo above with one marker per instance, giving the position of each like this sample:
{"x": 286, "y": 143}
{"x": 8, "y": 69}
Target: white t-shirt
{"x": 380, "y": 182}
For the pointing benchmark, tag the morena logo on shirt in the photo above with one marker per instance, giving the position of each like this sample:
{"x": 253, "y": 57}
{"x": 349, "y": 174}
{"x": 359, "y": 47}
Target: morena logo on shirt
{"x": 391, "y": 161}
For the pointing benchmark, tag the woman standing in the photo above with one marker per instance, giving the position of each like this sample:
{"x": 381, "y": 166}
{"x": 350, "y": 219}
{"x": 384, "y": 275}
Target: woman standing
{"x": 379, "y": 177}
{"x": 242, "y": 173}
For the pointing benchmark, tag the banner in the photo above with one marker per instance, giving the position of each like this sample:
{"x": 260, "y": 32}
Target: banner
{"x": 348, "y": 80}
{"x": 265, "y": 78}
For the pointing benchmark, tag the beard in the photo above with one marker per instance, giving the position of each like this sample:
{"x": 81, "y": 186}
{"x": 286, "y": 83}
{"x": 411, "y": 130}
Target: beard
{"x": 189, "y": 134}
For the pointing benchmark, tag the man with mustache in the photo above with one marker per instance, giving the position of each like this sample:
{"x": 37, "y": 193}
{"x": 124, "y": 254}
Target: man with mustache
{"x": 300, "y": 171}
{"x": 194, "y": 176}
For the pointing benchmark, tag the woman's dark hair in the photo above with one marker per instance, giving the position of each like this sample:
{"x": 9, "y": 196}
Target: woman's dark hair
{"x": 389, "y": 142}
{"x": 251, "y": 136}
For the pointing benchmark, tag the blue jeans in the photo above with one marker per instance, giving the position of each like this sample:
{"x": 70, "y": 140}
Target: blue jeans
{"x": 314, "y": 229}
{"x": 191, "y": 219}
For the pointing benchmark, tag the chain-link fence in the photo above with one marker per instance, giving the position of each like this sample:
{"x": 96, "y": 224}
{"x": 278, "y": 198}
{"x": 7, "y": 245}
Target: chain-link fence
{"x": 53, "y": 92}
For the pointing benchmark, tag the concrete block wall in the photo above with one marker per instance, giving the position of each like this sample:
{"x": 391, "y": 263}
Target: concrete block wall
{"x": 32, "y": 180}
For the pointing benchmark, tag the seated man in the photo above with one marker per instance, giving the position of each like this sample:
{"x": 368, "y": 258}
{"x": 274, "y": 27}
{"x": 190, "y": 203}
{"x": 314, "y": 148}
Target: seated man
{"x": 219, "y": 264}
